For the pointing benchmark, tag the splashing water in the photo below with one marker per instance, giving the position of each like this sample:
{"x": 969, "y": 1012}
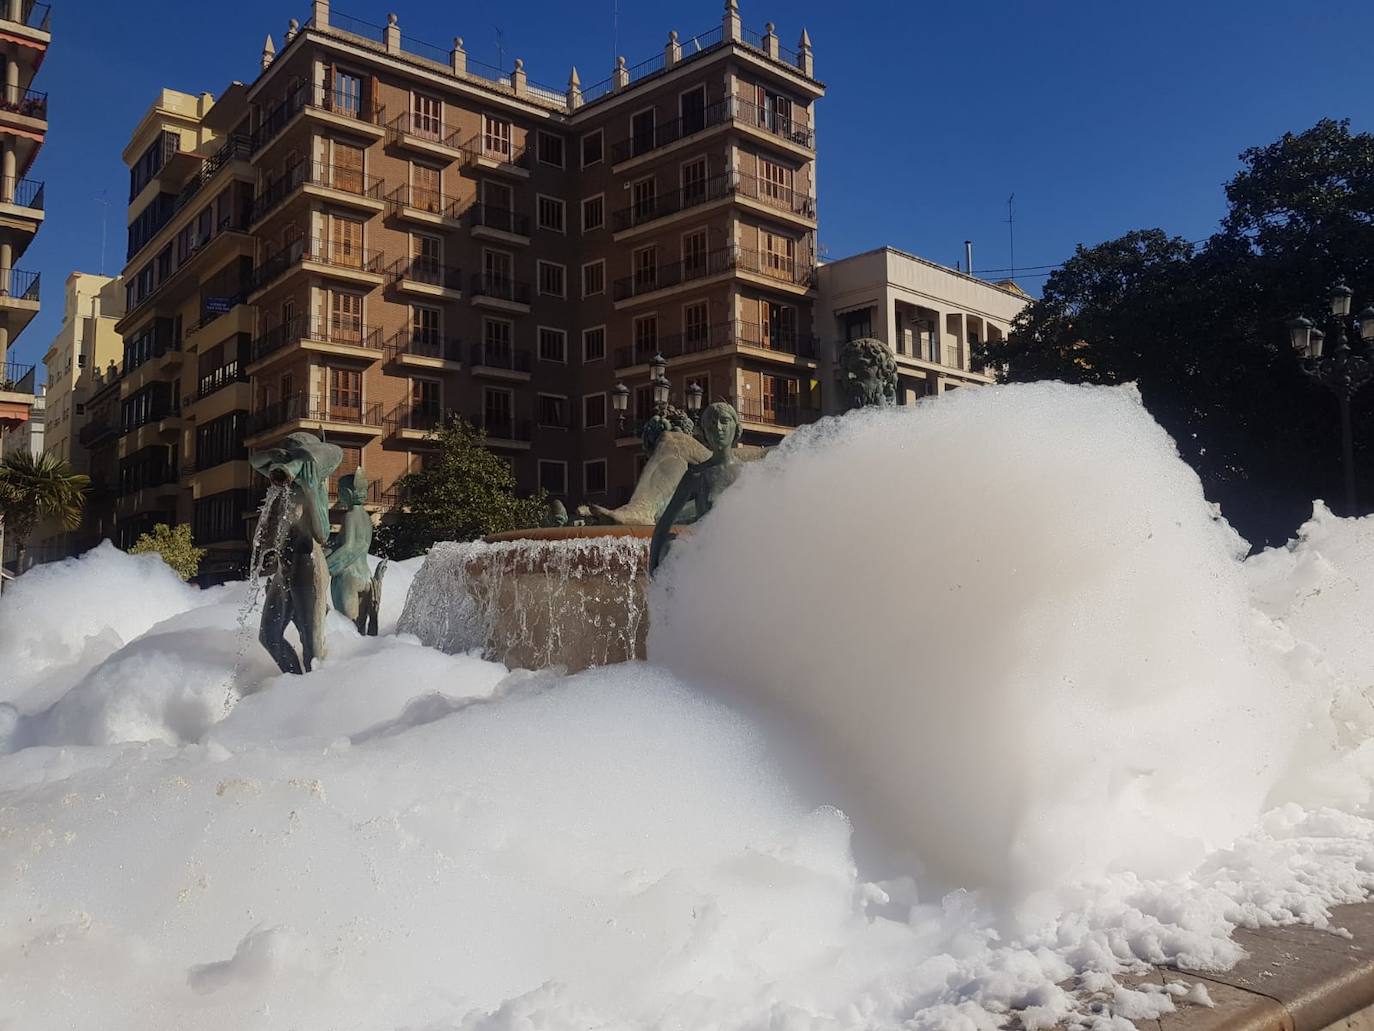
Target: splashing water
{"x": 271, "y": 525}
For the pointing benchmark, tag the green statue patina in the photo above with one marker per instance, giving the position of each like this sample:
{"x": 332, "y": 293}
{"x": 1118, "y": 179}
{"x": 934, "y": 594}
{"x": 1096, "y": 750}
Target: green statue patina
{"x": 668, "y": 438}
{"x": 296, "y": 570}
{"x": 356, "y": 591}
{"x": 867, "y": 373}
{"x": 702, "y": 482}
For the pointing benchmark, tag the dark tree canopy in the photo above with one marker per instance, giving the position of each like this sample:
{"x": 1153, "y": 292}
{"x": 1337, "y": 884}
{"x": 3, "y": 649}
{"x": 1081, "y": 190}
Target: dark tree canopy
{"x": 466, "y": 492}
{"x": 1202, "y": 329}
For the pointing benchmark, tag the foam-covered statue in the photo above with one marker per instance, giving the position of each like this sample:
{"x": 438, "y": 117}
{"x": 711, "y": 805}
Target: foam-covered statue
{"x": 702, "y": 482}
{"x": 671, "y": 447}
{"x": 294, "y": 562}
{"x": 356, "y": 592}
{"x": 867, "y": 373}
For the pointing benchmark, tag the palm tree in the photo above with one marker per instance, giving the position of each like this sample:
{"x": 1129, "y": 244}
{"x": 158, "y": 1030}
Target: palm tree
{"x": 34, "y": 487}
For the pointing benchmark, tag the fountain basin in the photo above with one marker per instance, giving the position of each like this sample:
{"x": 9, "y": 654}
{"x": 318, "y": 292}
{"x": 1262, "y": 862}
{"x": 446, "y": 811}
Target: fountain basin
{"x": 570, "y": 597}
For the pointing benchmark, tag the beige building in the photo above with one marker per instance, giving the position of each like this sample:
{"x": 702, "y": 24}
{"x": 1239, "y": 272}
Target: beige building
{"x": 931, "y": 317}
{"x": 86, "y": 341}
{"x": 24, "y": 40}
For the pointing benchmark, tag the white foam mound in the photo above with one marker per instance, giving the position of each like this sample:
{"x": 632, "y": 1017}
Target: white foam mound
{"x": 1015, "y": 600}
{"x": 1010, "y": 621}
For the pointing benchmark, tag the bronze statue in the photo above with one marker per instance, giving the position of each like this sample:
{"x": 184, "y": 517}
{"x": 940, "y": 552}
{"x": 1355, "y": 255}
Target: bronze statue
{"x": 297, "y": 524}
{"x": 867, "y": 373}
{"x": 356, "y": 592}
{"x": 703, "y": 482}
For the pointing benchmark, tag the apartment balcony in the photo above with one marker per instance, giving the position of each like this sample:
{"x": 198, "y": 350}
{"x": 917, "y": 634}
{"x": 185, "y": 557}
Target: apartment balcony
{"x": 229, "y": 317}
{"x": 18, "y": 299}
{"x": 769, "y": 415}
{"x": 774, "y": 200}
{"x": 21, "y": 209}
{"x": 328, "y": 259}
{"x": 425, "y": 206}
{"x": 97, "y": 432}
{"x": 17, "y": 386}
{"x": 500, "y": 292}
{"x": 487, "y": 222}
{"x": 412, "y": 422}
{"x": 501, "y": 156}
{"x": 506, "y": 433}
{"x": 27, "y": 18}
{"x": 324, "y": 336}
{"x": 661, "y": 209}
{"x": 215, "y": 380}
{"x": 662, "y": 280}
{"x": 420, "y": 350}
{"x": 500, "y": 362}
{"x": 161, "y": 427}
{"x": 776, "y": 270}
{"x": 769, "y": 343}
{"x": 318, "y": 414}
{"x": 732, "y": 112}
{"x": 340, "y": 185}
{"x": 424, "y": 277}
{"x": 336, "y": 108}
{"x": 418, "y": 132}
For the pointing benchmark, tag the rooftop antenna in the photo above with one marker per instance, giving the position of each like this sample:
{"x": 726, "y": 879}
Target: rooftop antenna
{"x": 500, "y": 47}
{"x": 615, "y": 29}
{"x": 1011, "y": 232}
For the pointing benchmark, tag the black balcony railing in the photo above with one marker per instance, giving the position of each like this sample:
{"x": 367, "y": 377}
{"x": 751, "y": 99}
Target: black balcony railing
{"x": 512, "y": 359}
{"x": 345, "y": 103}
{"x": 218, "y": 379}
{"x": 425, "y": 271}
{"x": 774, "y": 412}
{"x": 342, "y": 178}
{"x": 730, "y": 109}
{"x": 423, "y": 344}
{"x": 16, "y": 377}
{"x": 314, "y": 408}
{"x": 672, "y": 202}
{"x": 720, "y": 334}
{"x": 31, "y": 14}
{"x": 502, "y": 219}
{"x": 423, "y": 199}
{"x": 406, "y": 416}
{"x": 19, "y": 284}
{"x": 29, "y": 103}
{"x": 421, "y": 126}
{"x": 660, "y": 277}
{"x": 775, "y": 195}
{"x": 321, "y": 252}
{"x": 95, "y": 433}
{"x": 503, "y": 152}
{"x": 23, "y": 193}
{"x": 325, "y": 330}
{"x": 503, "y": 428}
{"x": 503, "y": 288}
{"x": 778, "y": 266}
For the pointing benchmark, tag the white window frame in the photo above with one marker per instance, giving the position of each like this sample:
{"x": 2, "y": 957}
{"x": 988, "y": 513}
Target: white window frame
{"x": 539, "y": 198}
{"x": 593, "y": 264}
{"x": 539, "y": 277}
{"x": 593, "y": 329}
{"x": 539, "y": 148}
{"x": 539, "y": 474}
{"x": 605, "y": 479}
{"x": 605, "y": 410}
{"x": 587, "y": 200}
{"x": 582, "y": 148}
{"x": 539, "y": 344}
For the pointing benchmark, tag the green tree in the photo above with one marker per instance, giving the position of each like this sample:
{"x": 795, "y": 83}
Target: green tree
{"x": 176, "y": 547}
{"x": 1201, "y": 329}
{"x": 34, "y": 488}
{"x": 466, "y": 492}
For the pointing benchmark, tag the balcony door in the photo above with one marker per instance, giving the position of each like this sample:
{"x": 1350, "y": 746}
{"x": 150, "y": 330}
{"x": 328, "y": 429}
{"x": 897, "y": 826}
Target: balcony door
{"x": 345, "y": 317}
{"x": 424, "y": 329}
{"x": 345, "y": 242}
{"x": 696, "y": 331}
{"x": 498, "y": 206}
{"x": 644, "y": 198}
{"x": 425, "y": 258}
{"x": 642, "y": 129}
{"x": 424, "y": 403}
{"x": 694, "y": 254}
{"x": 496, "y": 137}
{"x": 693, "y": 106}
{"x": 426, "y": 188}
{"x": 345, "y": 395}
{"x": 780, "y": 398}
{"x": 778, "y": 326}
{"x": 498, "y": 412}
{"x": 779, "y": 256}
{"x": 347, "y": 174}
{"x": 496, "y": 268}
{"x": 694, "y": 182}
{"x": 427, "y": 116}
{"x": 348, "y": 94}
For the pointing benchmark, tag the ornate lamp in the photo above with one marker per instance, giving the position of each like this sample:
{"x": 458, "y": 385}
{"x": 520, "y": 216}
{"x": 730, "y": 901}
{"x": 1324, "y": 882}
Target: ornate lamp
{"x": 1300, "y": 335}
{"x": 1340, "y": 300}
{"x": 662, "y": 388}
{"x": 658, "y": 367}
{"x": 620, "y": 401}
{"x": 1314, "y": 349}
{"x": 694, "y": 395}
{"x": 1366, "y": 318}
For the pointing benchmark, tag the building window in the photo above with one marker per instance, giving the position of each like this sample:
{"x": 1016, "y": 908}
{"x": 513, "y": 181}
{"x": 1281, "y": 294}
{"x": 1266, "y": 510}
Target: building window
{"x": 594, "y": 278}
{"x": 553, "y": 345}
{"x": 427, "y": 116}
{"x": 80, "y": 408}
{"x": 646, "y": 269}
{"x": 694, "y": 254}
{"x": 496, "y": 137}
{"x": 496, "y": 342}
{"x": 593, "y": 213}
{"x": 696, "y": 331}
{"x": 553, "y": 411}
{"x": 594, "y": 344}
{"x": 424, "y": 326}
{"x": 551, "y": 276}
{"x": 694, "y": 182}
{"x": 553, "y": 476}
{"x": 642, "y": 131}
{"x": 591, "y": 148}
{"x": 550, "y": 214}
{"x": 646, "y": 337}
{"x": 644, "y": 199}
{"x": 594, "y": 476}
{"x": 593, "y": 411}
{"x": 498, "y": 411}
{"x": 551, "y": 149}
{"x": 857, "y": 324}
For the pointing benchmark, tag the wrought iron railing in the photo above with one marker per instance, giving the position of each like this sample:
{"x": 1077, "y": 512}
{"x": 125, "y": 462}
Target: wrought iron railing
{"x": 342, "y": 178}
{"x": 502, "y": 288}
{"x": 325, "y": 330}
{"x": 775, "y": 195}
{"x": 314, "y": 408}
{"x": 422, "y": 127}
{"x": 422, "y": 198}
{"x": 503, "y": 152}
{"x": 729, "y": 109}
{"x": 34, "y": 15}
{"x": 23, "y": 193}
{"x": 217, "y": 379}
{"x": 407, "y": 416}
{"x": 339, "y": 102}
{"x": 671, "y": 203}
{"x": 16, "y": 377}
{"x": 17, "y": 283}
{"x": 719, "y": 334}
{"x": 426, "y": 271}
{"x": 503, "y": 219}
{"x": 768, "y": 410}
{"x": 321, "y": 252}
{"x": 423, "y": 345}
{"x": 513, "y": 359}
{"x": 29, "y": 103}
{"x": 497, "y": 428}
{"x": 777, "y": 266}
{"x": 660, "y": 277}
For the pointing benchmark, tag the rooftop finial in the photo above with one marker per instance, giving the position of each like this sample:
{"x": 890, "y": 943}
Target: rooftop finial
{"x": 805, "y": 42}
{"x": 457, "y": 42}
{"x": 768, "y": 27}
{"x": 672, "y": 36}
{"x": 620, "y": 61}
{"x": 269, "y": 51}
{"x": 574, "y": 79}
{"x": 731, "y": 6}
{"x": 391, "y": 19}
{"x": 519, "y": 64}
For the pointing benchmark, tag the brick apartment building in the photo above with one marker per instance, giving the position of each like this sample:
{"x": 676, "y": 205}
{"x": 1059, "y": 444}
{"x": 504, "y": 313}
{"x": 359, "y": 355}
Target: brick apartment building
{"x": 376, "y": 232}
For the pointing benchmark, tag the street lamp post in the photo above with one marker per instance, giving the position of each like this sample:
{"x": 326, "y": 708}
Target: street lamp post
{"x": 1343, "y": 371}
{"x": 662, "y": 392}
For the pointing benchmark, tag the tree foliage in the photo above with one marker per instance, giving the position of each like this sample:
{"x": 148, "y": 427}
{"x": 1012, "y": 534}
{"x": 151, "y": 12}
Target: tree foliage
{"x": 38, "y": 487}
{"x": 1202, "y": 329}
{"x": 466, "y": 492}
{"x": 176, "y": 547}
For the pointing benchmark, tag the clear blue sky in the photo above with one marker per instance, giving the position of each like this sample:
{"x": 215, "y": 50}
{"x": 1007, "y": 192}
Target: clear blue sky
{"x": 1101, "y": 117}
